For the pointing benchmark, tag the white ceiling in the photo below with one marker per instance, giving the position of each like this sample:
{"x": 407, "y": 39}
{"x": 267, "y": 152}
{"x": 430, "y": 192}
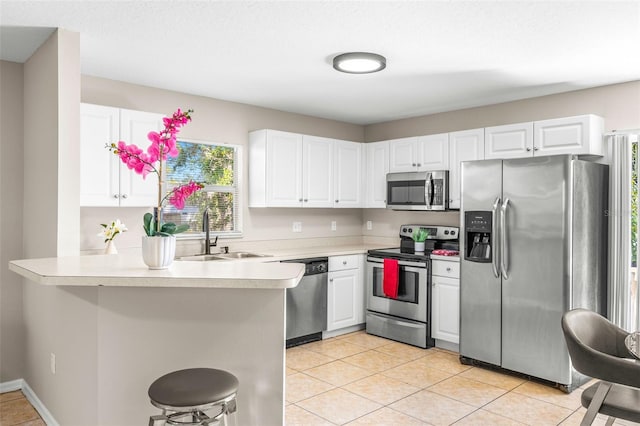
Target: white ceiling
{"x": 441, "y": 55}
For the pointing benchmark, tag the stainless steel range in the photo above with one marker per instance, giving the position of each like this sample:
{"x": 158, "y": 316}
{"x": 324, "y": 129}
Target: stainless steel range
{"x": 406, "y": 317}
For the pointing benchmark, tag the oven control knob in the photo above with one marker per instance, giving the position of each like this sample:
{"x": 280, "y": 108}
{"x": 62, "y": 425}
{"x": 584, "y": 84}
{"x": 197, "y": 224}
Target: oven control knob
{"x": 410, "y": 230}
{"x": 453, "y": 232}
{"x": 321, "y": 268}
{"x": 446, "y": 232}
{"x": 404, "y": 229}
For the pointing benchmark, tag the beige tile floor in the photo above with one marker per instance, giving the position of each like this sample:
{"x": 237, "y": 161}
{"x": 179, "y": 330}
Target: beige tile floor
{"x": 16, "y": 410}
{"x": 360, "y": 379}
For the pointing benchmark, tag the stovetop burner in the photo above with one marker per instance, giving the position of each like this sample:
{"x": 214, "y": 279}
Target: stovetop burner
{"x": 440, "y": 237}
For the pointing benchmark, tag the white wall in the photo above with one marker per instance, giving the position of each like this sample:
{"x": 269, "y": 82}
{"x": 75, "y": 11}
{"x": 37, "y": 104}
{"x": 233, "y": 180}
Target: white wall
{"x": 51, "y": 228}
{"x": 11, "y": 168}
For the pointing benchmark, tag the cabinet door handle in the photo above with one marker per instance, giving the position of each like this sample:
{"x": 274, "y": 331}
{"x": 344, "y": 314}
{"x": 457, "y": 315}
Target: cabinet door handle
{"x": 535, "y": 148}
{"x": 528, "y": 149}
{"x": 337, "y": 201}
{"x": 344, "y": 262}
{"x": 413, "y": 164}
{"x": 124, "y": 195}
{"x": 419, "y": 165}
{"x": 448, "y": 269}
{"x": 306, "y": 200}
{"x": 300, "y": 200}
{"x": 116, "y": 196}
{"x": 330, "y": 279}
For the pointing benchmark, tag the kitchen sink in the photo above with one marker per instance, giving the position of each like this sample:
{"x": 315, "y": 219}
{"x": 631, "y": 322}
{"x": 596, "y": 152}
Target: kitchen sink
{"x": 201, "y": 257}
{"x": 222, "y": 256}
{"x": 240, "y": 255}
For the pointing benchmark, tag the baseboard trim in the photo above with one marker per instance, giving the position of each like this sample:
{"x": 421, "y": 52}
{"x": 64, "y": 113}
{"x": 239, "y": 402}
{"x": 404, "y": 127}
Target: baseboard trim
{"x": 11, "y": 386}
{"x": 21, "y": 384}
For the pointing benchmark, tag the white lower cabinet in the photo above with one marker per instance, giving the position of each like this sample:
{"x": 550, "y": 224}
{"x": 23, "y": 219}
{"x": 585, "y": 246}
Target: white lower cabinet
{"x": 445, "y": 293}
{"x": 345, "y": 294}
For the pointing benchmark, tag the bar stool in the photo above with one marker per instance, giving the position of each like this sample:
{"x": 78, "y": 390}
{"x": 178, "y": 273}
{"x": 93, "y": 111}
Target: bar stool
{"x": 185, "y": 395}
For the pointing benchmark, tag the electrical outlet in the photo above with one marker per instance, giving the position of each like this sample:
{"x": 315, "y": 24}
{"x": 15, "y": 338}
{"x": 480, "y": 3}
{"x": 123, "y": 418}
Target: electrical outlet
{"x": 334, "y": 225}
{"x": 369, "y": 225}
{"x": 52, "y": 363}
{"x": 297, "y": 226}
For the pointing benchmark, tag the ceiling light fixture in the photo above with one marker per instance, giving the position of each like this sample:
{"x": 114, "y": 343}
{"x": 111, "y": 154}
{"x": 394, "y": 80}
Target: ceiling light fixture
{"x": 359, "y": 62}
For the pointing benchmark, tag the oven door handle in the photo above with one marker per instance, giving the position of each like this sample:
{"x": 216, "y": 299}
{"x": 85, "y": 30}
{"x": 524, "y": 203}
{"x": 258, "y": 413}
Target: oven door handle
{"x": 412, "y": 265}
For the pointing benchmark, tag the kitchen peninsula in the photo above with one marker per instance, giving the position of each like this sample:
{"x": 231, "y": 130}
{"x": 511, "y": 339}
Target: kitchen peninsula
{"x": 116, "y": 326}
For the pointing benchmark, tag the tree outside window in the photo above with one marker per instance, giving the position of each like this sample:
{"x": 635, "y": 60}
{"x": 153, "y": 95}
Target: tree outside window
{"x": 216, "y": 167}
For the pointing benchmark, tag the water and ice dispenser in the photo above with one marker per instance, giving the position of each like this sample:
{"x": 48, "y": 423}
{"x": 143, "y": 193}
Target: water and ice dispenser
{"x": 478, "y": 236}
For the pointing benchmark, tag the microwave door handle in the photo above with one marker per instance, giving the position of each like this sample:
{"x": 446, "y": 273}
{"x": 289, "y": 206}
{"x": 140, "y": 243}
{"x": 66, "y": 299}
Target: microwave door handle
{"x": 494, "y": 229}
{"x": 429, "y": 186}
{"x": 504, "y": 250}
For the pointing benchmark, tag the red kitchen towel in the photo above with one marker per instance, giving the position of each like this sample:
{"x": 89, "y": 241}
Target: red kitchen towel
{"x": 390, "y": 278}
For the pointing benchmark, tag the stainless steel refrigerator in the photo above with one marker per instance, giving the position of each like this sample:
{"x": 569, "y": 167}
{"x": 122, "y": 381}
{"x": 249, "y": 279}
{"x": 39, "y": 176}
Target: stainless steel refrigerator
{"x": 533, "y": 247}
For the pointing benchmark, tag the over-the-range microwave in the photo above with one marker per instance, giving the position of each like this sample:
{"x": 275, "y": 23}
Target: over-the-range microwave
{"x": 418, "y": 190}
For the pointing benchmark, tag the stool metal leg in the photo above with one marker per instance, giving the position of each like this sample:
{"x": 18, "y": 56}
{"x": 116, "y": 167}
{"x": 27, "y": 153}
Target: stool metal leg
{"x": 158, "y": 420}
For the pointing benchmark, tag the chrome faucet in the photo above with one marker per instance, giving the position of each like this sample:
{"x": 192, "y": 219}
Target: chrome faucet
{"x": 205, "y": 228}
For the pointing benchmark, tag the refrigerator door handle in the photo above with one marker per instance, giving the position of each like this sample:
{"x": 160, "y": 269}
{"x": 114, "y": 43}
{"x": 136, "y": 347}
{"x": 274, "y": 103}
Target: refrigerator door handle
{"x": 504, "y": 251}
{"x": 494, "y": 228}
{"x": 429, "y": 190}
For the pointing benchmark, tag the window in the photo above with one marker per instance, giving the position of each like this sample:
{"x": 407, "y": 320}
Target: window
{"x": 624, "y": 298}
{"x": 217, "y": 166}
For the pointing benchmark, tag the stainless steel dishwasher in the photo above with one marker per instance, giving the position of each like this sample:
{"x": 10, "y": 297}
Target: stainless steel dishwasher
{"x": 307, "y": 303}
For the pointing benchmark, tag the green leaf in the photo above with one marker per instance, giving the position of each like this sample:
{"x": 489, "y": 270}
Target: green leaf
{"x": 181, "y": 228}
{"x": 147, "y": 224}
{"x": 163, "y": 234}
{"x": 168, "y": 227}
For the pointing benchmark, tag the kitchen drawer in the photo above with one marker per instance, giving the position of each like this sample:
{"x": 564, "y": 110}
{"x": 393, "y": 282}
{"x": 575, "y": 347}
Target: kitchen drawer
{"x": 444, "y": 268}
{"x": 340, "y": 263}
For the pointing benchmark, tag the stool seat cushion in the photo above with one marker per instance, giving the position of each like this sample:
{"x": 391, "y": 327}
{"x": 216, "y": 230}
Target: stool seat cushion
{"x": 193, "y": 387}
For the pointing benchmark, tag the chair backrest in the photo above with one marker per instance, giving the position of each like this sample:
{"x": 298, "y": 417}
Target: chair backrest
{"x": 596, "y": 347}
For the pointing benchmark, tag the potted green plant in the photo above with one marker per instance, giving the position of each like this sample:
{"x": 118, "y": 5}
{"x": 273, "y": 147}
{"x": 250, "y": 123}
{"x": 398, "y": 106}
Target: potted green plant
{"x": 419, "y": 238}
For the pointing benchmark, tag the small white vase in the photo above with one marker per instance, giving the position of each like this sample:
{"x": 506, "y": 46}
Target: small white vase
{"x": 158, "y": 252}
{"x": 418, "y": 247}
{"x": 110, "y": 248}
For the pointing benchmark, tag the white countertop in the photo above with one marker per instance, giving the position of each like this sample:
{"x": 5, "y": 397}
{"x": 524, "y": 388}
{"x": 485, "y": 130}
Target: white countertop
{"x": 449, "y": 258}
{"x": 129, "y": 271}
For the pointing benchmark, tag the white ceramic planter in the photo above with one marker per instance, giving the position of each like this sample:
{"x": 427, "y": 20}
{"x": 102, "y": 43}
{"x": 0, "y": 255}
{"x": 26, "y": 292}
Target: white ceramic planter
{"x": 418, "y": 247}
{"x": 158, "y": 252}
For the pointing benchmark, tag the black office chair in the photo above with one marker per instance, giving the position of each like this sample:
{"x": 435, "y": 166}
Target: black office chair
{"x": 597, "y": 349}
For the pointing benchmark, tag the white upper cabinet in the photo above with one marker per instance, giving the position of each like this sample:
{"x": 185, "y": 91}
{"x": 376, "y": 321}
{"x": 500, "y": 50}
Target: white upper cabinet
{"x": 99, "y": 169}
{"x": 104, "y": 180}
{"x": 581, "y": 135}
{"x": 419, "y": 153}
{"x": 510, "y": 141}
{"x": 275, "y": 169}
{"x": 317, "y": 171}
{"x": 466, "y": 145}
{"x": 294, "y": 170}
{"x": 433, "y": 152}
{"x": 348, "y": 174}
{"x": 403, "y": 155}
{"x": 377, "y": 155}
{"x": 134, "y": 128}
